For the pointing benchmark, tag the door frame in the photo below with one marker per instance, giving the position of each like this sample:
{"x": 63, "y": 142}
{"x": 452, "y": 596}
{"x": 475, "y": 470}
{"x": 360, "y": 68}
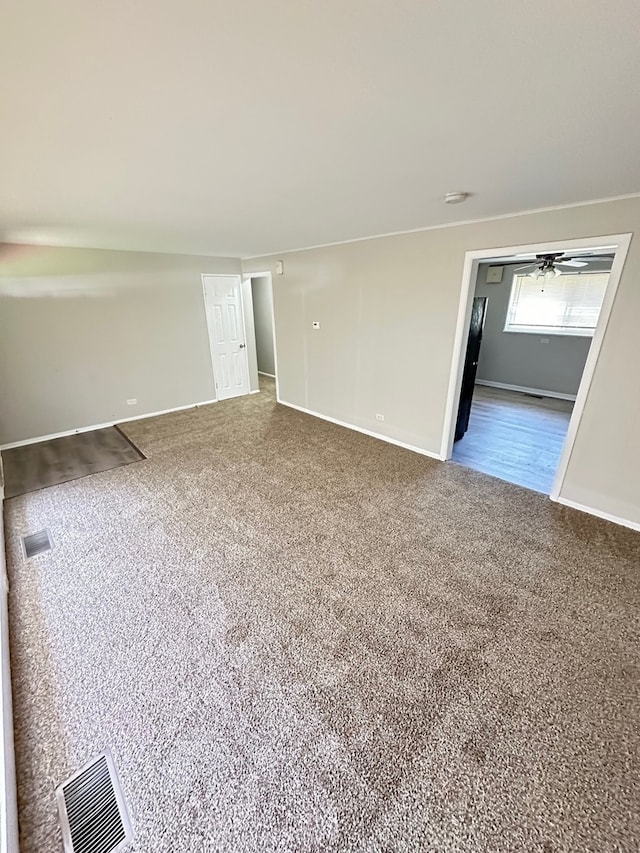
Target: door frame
{"x": 239, "y": 278}
{"x": 246, "y": 277}
{"x": 472, "y": 259}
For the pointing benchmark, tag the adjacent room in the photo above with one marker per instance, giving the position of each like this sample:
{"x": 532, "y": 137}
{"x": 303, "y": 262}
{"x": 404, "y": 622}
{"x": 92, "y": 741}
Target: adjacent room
{"x": 319, "y": 427}
{"x": 532, "y": 323}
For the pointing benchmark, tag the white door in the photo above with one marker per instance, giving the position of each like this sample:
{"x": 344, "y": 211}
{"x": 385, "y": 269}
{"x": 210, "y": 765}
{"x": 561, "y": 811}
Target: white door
{"x": 223, "y": 303}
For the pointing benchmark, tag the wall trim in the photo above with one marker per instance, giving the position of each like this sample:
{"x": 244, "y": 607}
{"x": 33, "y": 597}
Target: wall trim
{"x": 456, "y": 224}
{"x": 380, "y": 436}
{"x": 103, "y": 426}
{"x": 607, "y": 516}
{"x": 521, "y": 388}
{"x": 270, "y": 375}
{"x": 622, "y": 242}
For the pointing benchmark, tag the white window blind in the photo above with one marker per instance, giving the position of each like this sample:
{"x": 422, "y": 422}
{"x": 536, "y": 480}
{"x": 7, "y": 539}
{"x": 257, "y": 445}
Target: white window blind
{"x": 568, "y": 304}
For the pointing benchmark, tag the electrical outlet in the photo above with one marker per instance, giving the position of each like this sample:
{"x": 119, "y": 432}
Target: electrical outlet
{"x": 132, "y": 402}
{"x": 379, "y": 417}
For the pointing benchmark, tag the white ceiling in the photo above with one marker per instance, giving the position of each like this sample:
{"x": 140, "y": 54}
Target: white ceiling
{"x": 253, "y": 126}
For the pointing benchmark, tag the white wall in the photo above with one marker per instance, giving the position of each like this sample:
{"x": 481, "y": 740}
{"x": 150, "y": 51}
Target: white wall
{"x": 83, "y": 331}
{"x": 263, "y": 314}
{"x": 545, "y": 362}
{"x": 388, "y": 310}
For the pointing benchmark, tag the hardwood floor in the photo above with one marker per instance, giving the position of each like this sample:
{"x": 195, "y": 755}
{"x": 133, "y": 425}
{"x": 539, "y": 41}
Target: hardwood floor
{"x": 515, "y": 437}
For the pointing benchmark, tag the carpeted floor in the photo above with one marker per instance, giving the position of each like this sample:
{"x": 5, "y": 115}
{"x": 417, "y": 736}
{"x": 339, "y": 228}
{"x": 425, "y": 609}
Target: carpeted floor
{"x": 58, "y": 460}
{"x": 295, "y": 638}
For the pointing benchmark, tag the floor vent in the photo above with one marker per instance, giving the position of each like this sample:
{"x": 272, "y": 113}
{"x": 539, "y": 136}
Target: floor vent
{"x": 36, "y": 543}
{"x": 93, "y": 813}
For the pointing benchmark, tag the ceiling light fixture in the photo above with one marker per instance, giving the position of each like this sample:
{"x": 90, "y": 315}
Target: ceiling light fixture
{"x": 455, "y": 198}
{"x": 546, "y": 274}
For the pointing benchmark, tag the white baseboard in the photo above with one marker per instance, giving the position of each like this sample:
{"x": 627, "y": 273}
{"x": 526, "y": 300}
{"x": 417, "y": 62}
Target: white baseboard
{"x": 368, "y": 432}
{"x": 270, "y": 375}
{"x": 102, "y": 426}
{"x": 624, "y": 522}
{"x": 523, "y": 390}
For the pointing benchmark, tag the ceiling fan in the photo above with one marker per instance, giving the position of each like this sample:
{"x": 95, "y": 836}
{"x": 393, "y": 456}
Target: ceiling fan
{"x": 549, "y": 264}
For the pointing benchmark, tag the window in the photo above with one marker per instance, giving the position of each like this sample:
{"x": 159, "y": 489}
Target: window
{"x": 568, "y": 304}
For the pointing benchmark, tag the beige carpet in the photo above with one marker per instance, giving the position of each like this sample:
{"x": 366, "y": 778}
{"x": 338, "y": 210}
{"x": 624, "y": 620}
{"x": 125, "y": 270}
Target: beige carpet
{"x": 295, "y": 637}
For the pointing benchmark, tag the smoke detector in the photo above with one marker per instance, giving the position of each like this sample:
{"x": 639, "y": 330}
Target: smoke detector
{"x": 455, "y": 198}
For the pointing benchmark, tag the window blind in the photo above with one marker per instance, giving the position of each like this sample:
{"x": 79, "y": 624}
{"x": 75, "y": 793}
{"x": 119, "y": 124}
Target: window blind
{"x": 568, "y": 304}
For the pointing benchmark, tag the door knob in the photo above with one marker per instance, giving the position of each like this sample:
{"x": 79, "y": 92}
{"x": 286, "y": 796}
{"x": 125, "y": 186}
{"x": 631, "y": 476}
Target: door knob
{"x": 242, "y": 346}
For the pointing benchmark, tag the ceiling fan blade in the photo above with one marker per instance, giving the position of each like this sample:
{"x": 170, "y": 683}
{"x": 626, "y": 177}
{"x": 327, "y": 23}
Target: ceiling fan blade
{"x": 596, "y": 257}
{"x": 572, "y": 263}
{"x": 587, "y": 256}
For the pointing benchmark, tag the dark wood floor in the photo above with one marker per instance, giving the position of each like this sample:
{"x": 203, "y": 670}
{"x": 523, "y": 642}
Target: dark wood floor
{"x": 47, "y": 463}
{"x": 515, "y": 437}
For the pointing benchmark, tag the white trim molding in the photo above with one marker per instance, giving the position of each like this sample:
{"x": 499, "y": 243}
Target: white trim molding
{"x": 615, "y": 519}
{"x": 442, "y": 225}
{"x": 102, "y": 426}
{"x": 380, "y": 436}
{"x": 522, "y": 390}
{"x": 622, "y": 243}
{"x": 270, "y": 375}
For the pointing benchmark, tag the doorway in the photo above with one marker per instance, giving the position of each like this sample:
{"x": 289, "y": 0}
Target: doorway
{"x": 262, "y": 297}
{"x": 227, "y": 335}
{"x": 530, "y": 326}
{"x": 260, "y": 290}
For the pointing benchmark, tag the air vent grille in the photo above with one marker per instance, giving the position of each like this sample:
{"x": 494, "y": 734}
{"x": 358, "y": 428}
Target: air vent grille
{"x": 36, "y": 543}
{"x": 92, "y": 810}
